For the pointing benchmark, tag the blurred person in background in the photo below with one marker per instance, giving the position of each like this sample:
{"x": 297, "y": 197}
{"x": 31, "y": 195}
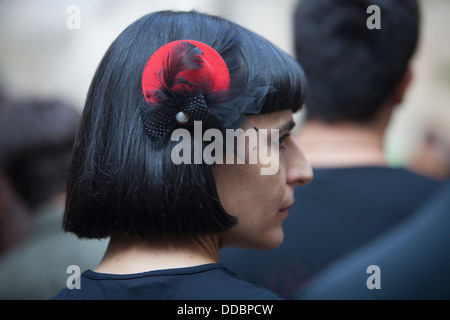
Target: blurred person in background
{"x": 36, "y": 143}
{"x": 357, "y": 76}
{"x": 14, "y": 218}
{"x": 432, "y": 156}
{"x": 409, "y": 262}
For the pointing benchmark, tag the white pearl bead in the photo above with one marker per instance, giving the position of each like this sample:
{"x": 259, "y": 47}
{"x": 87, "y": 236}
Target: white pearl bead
{"x": 182, "y": 117}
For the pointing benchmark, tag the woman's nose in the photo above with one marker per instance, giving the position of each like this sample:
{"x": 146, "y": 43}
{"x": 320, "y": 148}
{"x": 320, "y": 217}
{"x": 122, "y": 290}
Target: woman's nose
{"x": 299, "y": 171}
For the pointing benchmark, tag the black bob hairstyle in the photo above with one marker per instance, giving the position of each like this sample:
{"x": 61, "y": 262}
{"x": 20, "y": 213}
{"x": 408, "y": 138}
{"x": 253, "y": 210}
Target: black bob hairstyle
{"x": 120, "y": 183}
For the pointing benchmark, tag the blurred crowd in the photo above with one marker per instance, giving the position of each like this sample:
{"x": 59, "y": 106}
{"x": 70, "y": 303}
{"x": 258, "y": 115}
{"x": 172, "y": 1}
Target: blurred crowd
{"x": 36, "y": 142}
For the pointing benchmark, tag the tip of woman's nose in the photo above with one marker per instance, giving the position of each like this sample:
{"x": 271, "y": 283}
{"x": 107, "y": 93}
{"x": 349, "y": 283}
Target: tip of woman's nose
{"x": 300, "y": 176}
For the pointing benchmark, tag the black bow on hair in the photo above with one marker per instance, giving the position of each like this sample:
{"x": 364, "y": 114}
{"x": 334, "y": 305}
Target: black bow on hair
{"x": 162, "y": 119}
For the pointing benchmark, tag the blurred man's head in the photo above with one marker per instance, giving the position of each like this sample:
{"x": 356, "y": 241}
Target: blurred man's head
{"x": 353, "y": 70}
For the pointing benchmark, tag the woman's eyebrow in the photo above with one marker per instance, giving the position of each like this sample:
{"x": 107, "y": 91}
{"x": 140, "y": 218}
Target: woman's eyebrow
{"x": 288, "y": 126}
{"x": 284, "y": 128}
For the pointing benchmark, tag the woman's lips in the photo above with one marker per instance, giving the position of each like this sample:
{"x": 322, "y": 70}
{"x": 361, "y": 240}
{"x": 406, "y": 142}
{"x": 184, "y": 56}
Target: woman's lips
{"x": 285, "y": 209}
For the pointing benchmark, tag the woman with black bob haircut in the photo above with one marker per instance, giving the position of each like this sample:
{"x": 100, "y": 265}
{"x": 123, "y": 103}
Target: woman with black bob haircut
{"x": 166, "y": 72}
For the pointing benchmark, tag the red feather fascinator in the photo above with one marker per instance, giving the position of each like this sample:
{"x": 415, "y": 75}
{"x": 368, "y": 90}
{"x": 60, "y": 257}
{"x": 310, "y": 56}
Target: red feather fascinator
{"x": 186, "y": 81}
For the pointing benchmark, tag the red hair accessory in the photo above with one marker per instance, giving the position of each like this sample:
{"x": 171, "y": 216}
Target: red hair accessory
{"x": 186, "y": 81}
{"x": 184, "y": 68}
{"x": 176, "y": 79}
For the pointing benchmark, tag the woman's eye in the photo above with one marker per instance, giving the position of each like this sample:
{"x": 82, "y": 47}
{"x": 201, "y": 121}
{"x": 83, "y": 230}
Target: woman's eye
{"x": 282, "y": 139}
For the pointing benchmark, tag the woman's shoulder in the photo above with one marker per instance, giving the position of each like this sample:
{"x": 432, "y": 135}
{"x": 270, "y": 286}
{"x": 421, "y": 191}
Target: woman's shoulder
{"x": 204, "y": 282}
{"x": 223, "y": 284}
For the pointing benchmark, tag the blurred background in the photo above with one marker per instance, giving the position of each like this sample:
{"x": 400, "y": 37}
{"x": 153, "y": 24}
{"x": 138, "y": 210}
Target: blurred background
{"x": 41, "y": 56}
{"x": 50, "y": 50}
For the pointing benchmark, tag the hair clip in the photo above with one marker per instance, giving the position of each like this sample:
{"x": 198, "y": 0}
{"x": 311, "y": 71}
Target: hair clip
{"x": 184, "y": 66}
{"x": 186, "y": 81}
{"x": 174, "y": 82}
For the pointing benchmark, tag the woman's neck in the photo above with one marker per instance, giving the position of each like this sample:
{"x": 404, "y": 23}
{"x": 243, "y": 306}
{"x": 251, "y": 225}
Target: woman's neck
{"x": 127, "y": 255}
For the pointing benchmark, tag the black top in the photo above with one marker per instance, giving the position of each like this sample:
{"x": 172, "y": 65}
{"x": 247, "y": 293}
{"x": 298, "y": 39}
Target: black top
{"x": 413, "y": 261}
{"x": 203, "y": 282}
{"x": 342, "y": 209}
